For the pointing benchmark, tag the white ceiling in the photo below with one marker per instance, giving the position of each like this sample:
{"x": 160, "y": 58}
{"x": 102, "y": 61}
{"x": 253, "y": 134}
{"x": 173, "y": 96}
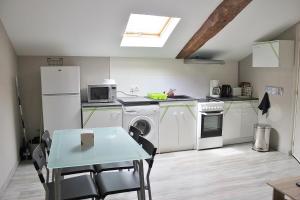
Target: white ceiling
{"x": 95, "y": 27}
{"x": 260, "y": 20}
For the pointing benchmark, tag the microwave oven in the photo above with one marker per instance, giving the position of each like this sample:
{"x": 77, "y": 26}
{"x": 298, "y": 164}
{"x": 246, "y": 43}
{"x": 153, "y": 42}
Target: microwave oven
{"x": 102, "y": 93}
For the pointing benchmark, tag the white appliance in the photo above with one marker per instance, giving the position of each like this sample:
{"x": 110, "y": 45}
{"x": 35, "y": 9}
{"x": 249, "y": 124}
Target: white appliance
{"x": 214, "y": 90}
{"x": 209, "y": 125}
{"x": 102, "y": 93}
{"x": 61, "y": 97}
{"x": 145, "y": 118}
{"x": 236, "y": 91}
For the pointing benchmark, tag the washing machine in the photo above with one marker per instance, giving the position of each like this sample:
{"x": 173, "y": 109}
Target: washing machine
{"x": 145, "y": 118}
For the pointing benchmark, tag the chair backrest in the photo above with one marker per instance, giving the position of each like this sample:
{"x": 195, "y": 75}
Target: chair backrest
{"x": 135, "y": 133}
{"x": 39, "y": 162}
{"x": 149, "y": 148}
{"x": 47, "y": 141}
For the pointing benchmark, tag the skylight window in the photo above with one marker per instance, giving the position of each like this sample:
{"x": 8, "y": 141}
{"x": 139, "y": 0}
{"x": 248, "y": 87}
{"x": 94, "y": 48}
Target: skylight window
{"x": 148, "y": 30}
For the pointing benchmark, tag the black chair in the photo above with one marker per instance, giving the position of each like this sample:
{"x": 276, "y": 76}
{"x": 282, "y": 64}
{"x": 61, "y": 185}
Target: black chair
{"x": 47, "y": 141}
{"x": 114, "y": 182}
{"x": 80, "y": 187}
{"x": 134, "y": 133}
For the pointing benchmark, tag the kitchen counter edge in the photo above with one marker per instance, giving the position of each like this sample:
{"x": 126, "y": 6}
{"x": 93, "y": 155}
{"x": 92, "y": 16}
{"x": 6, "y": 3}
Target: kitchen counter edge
{"x": 233, "y": 98}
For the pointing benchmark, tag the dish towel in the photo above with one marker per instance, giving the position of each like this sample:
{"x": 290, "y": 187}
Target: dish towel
{"x": 264, "y": 104}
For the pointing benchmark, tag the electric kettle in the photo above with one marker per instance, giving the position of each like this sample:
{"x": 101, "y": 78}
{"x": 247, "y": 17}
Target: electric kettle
{"x": 226, "y": 91}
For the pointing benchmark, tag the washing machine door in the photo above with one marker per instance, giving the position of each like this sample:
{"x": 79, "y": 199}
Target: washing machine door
{"x": 144, "y": 123}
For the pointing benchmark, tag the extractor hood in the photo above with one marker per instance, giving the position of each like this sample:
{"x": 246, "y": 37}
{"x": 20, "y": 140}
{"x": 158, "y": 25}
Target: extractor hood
{"x": 203, "y": 61}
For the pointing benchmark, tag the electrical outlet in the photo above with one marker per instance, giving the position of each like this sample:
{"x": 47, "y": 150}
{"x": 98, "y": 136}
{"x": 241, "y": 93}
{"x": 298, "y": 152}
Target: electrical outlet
{"x": 134, "y": 88}
{"x": 274, "y": 90}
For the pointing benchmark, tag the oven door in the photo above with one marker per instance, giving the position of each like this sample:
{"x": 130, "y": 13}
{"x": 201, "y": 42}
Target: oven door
{"x": 211, "y": 124}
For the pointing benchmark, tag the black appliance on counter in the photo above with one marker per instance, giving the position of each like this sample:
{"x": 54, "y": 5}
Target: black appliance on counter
{"x": 226, "y": 91}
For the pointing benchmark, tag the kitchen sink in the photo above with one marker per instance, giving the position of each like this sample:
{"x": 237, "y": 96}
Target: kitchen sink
{"x": 179, "y": 97}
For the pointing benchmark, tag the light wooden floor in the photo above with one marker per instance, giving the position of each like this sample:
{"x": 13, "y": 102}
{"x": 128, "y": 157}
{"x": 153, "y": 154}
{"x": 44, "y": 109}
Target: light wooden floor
{"x": 229, "y": 173}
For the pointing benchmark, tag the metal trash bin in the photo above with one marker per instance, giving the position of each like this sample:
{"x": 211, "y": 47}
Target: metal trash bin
{"x": 261, "y": 137}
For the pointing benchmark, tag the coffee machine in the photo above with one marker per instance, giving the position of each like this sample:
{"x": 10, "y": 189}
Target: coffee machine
{"x": 214, "y": 90}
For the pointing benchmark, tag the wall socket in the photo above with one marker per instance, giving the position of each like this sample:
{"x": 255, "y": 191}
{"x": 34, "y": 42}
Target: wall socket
{"x": 134, "y": 88}
{"x": 274, "y": 90}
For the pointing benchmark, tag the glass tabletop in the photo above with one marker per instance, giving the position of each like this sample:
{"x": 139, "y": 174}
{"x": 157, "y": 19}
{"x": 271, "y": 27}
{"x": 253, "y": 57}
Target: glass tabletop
{"x": 111, "y": 145}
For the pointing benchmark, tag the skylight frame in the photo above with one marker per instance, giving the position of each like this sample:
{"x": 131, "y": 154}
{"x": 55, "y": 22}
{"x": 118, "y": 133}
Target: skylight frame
{"x": 148, "y": 39}
{"x": 150, "y": 34}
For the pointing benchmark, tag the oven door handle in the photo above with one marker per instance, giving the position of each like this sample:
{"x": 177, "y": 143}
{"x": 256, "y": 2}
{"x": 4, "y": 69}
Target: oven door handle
{"x": 212, "y": 114}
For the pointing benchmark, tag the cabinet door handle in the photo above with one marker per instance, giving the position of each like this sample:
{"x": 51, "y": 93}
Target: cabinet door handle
{"x": 115, "y": 115}
{"x": 183, "y": 115}
{"x": 212, "y": 114}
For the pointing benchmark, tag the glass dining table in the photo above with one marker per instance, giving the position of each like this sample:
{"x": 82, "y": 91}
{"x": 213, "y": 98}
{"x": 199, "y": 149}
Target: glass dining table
{"x": 112, "y": 144}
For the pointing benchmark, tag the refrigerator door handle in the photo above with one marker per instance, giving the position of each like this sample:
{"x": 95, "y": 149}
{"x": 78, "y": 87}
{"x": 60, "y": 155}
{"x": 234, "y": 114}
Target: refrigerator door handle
{"x": 60, "y": 94}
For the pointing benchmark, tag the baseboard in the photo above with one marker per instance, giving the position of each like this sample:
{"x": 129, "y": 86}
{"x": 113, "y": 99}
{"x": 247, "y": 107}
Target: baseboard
{"x": 237, "y": 140}
{"x": 6, "y": 182}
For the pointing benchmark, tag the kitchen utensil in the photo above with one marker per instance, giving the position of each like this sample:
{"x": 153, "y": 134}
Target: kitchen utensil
{"x": 214, "y": 90}
{"x": 237, "y": 91}
{"x": 157, "y": 96}
{"x": 226, "y": 91}
{"x": 171, "y": 92}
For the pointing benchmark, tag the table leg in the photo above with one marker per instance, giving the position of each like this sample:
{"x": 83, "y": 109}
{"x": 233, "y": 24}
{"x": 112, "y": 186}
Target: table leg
{"x": 141, "y": 174}
{"x": 57, "y": 176}
{"x": 278, "y": 195}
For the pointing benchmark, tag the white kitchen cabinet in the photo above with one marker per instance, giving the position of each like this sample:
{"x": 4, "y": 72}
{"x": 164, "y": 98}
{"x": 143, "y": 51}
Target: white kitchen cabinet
{"x": 249, "y": 117}
{"x": 278, "y": 53}
{"x": 94, "y": 117}
{"x": 231, "y": 121}
{"x": 168, "y": 129}
{"x": 177, "y": 128}
{"x": 239, "y": 119}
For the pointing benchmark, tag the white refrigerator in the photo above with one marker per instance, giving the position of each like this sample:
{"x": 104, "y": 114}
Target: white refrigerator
{"x": 61, "y": 97}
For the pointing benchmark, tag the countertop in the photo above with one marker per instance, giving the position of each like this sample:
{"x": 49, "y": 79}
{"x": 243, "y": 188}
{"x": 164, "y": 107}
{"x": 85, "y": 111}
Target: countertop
{"x": 135, "y": 101}
{"x": 128, "y": 101}
{"x": 109, "y": 104}
{"x": 172, "y": 99}
{"x": 233, "y": 98}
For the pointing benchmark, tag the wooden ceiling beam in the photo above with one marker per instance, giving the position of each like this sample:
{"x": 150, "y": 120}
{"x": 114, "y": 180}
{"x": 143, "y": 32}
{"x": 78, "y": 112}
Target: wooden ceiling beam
{"x": 219, "y": 18}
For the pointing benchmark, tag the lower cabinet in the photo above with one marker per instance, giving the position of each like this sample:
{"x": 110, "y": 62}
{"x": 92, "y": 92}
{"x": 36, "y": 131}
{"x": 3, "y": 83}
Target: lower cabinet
{"x": 238, "y": 122}
{"x": 177, "y": 128}
{"x": 93, "y": 117}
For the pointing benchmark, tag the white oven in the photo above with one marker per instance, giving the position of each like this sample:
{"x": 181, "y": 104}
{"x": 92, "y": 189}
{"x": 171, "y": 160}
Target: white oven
{"x": 210, "y": 123}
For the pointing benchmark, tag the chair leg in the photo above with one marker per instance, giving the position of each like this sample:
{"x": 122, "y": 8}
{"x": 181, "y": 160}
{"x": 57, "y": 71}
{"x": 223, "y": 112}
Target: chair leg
{"x": 149, "y": 189}
{"x": 52, "y": 176}
{"x": 149, "y": 193}
{"x": 135, "y": 165}
{"x": 138, "y": 195}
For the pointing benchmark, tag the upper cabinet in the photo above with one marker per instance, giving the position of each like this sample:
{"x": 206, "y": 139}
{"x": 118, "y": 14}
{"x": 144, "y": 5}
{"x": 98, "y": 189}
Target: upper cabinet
{"x": 277, "y": 53}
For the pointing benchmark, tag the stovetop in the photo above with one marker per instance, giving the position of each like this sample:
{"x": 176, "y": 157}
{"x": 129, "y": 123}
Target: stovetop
{"x": 208, "y": 105}
{"x": 205, "y": 100}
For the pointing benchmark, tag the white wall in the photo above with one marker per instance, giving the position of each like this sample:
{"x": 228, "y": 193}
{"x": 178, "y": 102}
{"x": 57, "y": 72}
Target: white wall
{"x": 9, "y": 123}
{"x": 92, "y": 70}
{"x": 296, "y": 138}
{"x": 282, "y": 107}
{"x": 158, "y": 75}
